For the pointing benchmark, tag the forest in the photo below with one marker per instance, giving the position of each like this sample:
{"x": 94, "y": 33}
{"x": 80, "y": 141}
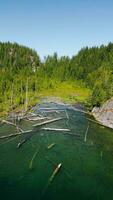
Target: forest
{"x": 86, "y": 77}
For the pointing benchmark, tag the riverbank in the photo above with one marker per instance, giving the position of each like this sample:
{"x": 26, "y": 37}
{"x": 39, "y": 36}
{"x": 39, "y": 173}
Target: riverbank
{"x": 66, "y": 92}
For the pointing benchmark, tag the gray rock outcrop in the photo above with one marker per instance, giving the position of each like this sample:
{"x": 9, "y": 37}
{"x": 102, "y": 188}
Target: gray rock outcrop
{"x": 104, "y": 114}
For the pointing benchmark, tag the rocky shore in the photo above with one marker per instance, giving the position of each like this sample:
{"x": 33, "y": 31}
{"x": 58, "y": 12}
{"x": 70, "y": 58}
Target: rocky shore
{"x": 104, "y": 114}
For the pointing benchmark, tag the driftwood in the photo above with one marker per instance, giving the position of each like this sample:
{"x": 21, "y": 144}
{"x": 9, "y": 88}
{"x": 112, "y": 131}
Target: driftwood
{"x": 51, "y": 145}
{"x": 48, "y": 121}
{"x": 85, "y": 137}
{"x": 54, "y": 108}
{"x": 101, "y": 155}
{"x": 12, "y": 124}
{"x": 67, "y": 114}
{"x": 15, "y": 134}
{"x": 36, "y": 118}
{"x": 21, "y": 143}
{"x": 7, "y": 122}
{"x": 11, "y": 139}
{"x": 65, "y": 170}
{"x": 25, "y": 139}
{"x": 55, "y": 129}
{"x": 95, "y": 122}
{"x": 9, "y": 136}
{"x": 55, "y": 172}
{"x": 79, "y": 110}
{"x": 32, "y": 160}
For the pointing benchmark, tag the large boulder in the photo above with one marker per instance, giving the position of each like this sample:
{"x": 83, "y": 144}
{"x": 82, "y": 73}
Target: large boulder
{"x": 104, "y": 114}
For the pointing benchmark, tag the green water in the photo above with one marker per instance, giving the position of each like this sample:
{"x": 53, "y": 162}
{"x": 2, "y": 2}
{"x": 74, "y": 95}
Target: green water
{"x": 87, "y": 167}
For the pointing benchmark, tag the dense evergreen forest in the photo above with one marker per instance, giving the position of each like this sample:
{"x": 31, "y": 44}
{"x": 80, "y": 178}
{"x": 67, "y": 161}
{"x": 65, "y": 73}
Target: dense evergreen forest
{"x": 23, "y": 77}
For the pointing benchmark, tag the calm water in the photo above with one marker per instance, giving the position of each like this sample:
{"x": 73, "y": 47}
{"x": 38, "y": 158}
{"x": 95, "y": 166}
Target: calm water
{"x": 87, "y": 167}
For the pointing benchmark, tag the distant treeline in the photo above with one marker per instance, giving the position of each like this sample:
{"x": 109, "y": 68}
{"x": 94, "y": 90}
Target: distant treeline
{"x": 21, "y": 69}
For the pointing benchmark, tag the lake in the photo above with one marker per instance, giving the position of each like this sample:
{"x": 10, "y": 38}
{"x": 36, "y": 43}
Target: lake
{"x": 87, "y": 163}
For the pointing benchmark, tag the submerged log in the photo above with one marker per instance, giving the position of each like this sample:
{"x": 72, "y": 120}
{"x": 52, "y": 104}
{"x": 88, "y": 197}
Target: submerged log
{"x": 8, "y": 136}
{"x": 51, "y": 145}
{"x": 92, "y": 120}
{"x": 12, "y": 124}
{"x": 15, "y": 134}
{"x": 54, "y": 164}
{"x": 36, "y": 118}
{"x": 21, "y": 143}
{"x": 55, "y": 172}
{"x": 85, "y": 137}
{"x": 8, "y": 122}
{"x": 32, "y": 160}
{"x": 25, "y": 139}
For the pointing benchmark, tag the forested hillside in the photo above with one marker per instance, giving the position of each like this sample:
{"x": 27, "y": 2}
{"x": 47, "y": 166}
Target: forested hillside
{"x": 23, "y": 77}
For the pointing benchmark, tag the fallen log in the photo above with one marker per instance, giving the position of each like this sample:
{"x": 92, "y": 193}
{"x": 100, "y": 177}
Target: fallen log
{"x": 51, "y": 145}
{"x": 79, "y": 110}
{"x": 55, "y": 129}
{"x": 85, "y": 137}
{"x": 13, "y": 124}
{"x": 11, "y": 139}
{"x": 15, "y": 134}
{"x": 7, "y": 122}
{"x": 24, "y": 141}
{"x": 48, "y": 121}
{"x": 32, "y": 160}
{"x": 92, "y": 120}
{"x": 67, "y": 114}
{"x": 54, "y": 164}
{"x": 8, "y": 136}
{"x": 36, "y": 118}
{"x": 21, "y": 143}
{"x": 55, "y": 172}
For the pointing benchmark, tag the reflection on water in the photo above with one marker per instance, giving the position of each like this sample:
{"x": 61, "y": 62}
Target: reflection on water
{"x": 87, "y": 167}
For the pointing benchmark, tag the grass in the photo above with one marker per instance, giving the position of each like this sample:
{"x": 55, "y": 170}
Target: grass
{"x": 67, "y": 91}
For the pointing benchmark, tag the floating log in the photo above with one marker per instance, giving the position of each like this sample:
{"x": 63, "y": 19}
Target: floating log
{"x": 15, "y": 134}
{"x": 48, "y": 121}
{"x": 51, "y": 111}
{"x": 51, "y": 145}
{"x": 79, "y": 110}
{"x": 13, "y": 124}
{"x": 32, "y": 160}
{"x": 10, "y": 123}
{"x": 65, "y": 170}
{"x": 67, "y": 114}
{"x": 97, "y": 122}
{"x": 21, "y": 143}
{"x": 55, "y": 172}
{"x": 8, "y": 136}
{"x": 25, "y": 139}
{"x": 55, "y": 129}
{"x": 54, "y": 108}
{"x": 101, "y": 155}
{"x": 11, "y": 139}
{"x": 36, "y": 118}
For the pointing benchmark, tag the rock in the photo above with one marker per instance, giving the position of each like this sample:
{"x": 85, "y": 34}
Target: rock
{"x": 104, "y": 114}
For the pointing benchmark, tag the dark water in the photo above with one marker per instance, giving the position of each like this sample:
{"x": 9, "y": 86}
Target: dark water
{"x": 87, "y": 167}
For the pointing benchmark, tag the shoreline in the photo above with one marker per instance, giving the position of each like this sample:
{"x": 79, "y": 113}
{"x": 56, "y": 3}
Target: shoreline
{"x": 78, "y": 106}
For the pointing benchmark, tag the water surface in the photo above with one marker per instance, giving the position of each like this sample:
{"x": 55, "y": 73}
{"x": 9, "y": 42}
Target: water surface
{"x": 87, "y": 167}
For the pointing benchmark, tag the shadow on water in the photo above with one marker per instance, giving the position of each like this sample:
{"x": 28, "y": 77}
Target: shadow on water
{"x": 87, "y": 165}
